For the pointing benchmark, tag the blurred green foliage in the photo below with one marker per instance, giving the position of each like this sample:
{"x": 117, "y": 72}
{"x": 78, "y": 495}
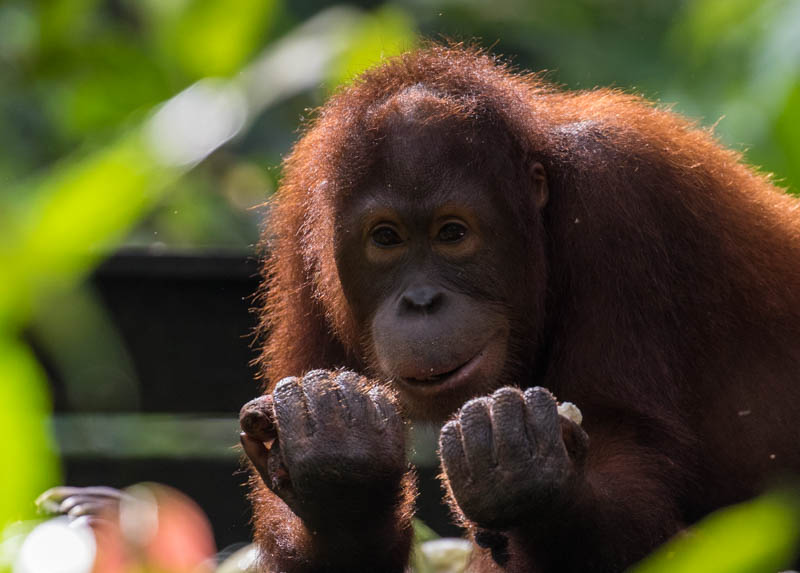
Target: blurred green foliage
{"x": 207, "y": 37}
{"x": 759, "y": 536}
{"x": 81, "y": 82}
{"x": 26, "y": 448}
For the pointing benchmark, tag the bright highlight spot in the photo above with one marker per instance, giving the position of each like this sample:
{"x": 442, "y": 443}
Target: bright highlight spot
{"x": 57, "y": 547}
{"x": 196, "y": 121}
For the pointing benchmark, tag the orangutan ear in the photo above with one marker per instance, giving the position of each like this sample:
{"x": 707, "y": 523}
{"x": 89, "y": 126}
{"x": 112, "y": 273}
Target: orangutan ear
{"x": 540, "y": 190}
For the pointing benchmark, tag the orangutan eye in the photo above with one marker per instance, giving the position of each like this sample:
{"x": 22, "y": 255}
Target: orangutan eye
{"x": 451, "y": 232}
{"x": 385, "y": 236}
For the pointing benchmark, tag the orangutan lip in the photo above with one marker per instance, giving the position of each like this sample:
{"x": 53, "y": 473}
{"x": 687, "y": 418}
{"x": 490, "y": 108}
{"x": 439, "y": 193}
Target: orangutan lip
{"x": 447, "y": 379}
{"x": 436, "y": 378}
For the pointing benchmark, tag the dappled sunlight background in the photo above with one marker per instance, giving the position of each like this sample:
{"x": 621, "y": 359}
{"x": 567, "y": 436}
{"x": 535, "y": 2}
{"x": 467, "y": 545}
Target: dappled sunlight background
{"x": 158, "y": 127}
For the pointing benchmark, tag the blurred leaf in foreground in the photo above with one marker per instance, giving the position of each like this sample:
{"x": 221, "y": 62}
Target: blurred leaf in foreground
{"x": 211, "y": 37}
{"x": 381, "y": 34}
{"x": 759, "y": 536}
{"x": 30, "y": 464}
{"x": 83, "y": 207}
{"x": 785, "y": 130}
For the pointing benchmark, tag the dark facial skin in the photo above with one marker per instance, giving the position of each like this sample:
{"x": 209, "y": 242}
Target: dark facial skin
{"x": 418, "y": 267}
{"x": 417, "y": 255}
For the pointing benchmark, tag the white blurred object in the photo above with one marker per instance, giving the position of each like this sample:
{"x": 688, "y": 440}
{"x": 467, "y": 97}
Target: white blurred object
{"x": 196, "y": 121}
{"x": 300, "y": 60}
{"x": 244, "y": 560}
{"x": 56, "y": 546}
{"x": 446, "y": 555}
{"x": 571, "y": 412}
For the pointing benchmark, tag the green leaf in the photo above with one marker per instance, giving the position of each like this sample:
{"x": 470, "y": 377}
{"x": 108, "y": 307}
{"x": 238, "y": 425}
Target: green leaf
{"x": 422, "y": 532}
{"x": 27, "y": 451}
{"x": 786, "y": 135}
{"x": 212, "y": 37}
{"x": 758, "y": 536}
{"x": 83, "y": 208}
